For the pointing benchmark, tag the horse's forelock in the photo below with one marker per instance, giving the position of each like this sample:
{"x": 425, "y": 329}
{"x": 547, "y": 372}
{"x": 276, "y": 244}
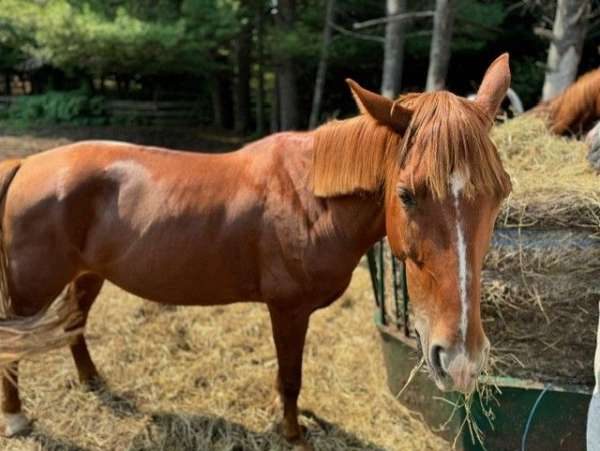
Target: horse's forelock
{"x": 449, "y": 134}
{"x": 446, "y": 134}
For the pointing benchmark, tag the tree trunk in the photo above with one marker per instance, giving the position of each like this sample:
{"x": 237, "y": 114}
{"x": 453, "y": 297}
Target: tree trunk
{"x": 243, "y": 47}
{"x": 322, "y": 69}
{"x": 286, "y": 70}
{"x": 393, "y": 53}
{"x": 221, "y": 96}
{"x": 568, "y": 34}
{"x": 275, "y": 106}
{"x": 260, "y": 84}
{"x": 439, "y": 55}
{"x": 217, "y": 104}
{"x": 7, "y": 84}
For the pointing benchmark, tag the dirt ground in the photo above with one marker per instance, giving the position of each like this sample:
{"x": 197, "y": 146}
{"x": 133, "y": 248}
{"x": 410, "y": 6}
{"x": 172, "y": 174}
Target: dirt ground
{"x": 14, "y": 142}
{"x": 202, "y": 377}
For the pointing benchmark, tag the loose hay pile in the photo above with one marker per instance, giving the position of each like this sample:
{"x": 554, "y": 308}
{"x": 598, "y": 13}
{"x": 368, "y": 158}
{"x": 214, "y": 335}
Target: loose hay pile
{"x": 553, "y": 183}
{"x": 541, "y": 283}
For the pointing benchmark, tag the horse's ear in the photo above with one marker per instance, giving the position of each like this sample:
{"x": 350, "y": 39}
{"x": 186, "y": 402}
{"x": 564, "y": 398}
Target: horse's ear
{"x": 494, "y": 85}
{"x": 380, "y": 108}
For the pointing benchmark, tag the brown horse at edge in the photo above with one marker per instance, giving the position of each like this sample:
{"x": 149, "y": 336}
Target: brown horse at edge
{"x": 283, "y": 221}
{"x": 576, "y": 110}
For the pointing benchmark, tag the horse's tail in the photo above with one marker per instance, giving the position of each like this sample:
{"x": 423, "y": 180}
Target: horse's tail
{"x": 8, "y": 170}
{"x": 21, "y": 336}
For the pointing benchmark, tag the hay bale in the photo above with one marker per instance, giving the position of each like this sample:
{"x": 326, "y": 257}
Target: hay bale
{"x": 557, "y": 251}
{"x": 540, "y": 283}
{"x": 541, "y": 326}
{"x": 554, "y": 185}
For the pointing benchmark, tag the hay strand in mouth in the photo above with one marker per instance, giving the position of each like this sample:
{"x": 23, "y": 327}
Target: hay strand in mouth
{"x": 485, "y": 392}
{"x": 411, "y": 376}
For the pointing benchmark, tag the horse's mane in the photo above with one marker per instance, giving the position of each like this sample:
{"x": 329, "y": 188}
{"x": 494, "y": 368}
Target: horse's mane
{"x": 447, "y": 132}
{"x": 577, "y": 106}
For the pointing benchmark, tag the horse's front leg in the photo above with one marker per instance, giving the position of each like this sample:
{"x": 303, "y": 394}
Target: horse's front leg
{"x": 84, "y": 291}
{"x": 289, "y": 332}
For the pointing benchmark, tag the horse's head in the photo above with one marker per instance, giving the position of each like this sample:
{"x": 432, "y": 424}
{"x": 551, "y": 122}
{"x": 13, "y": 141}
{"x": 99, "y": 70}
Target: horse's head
{"x": 443, "y": 194}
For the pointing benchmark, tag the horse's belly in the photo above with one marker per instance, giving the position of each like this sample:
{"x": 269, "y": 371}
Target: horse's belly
{"x": 195, "y": 261}
{"x": 194, "y": 284}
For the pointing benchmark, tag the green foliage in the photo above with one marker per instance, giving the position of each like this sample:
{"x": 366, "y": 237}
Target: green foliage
{"x": 11, "y": 40}
{"x": 145, "y": 48}
{"x": 114, "y": 40}
{"x": 302, "y": 43}
{"x": 75, "y": 107}
{"x": 477, "y": 24}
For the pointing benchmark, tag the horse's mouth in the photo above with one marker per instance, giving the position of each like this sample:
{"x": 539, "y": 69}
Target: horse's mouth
{"x": 440, "y": 377}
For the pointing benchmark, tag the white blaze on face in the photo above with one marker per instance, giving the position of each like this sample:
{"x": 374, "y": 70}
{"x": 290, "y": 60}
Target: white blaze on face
{"x": 457, "y": 184}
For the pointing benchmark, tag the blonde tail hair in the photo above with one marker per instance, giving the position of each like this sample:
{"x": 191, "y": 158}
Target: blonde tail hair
{"x": 21, "y": 336}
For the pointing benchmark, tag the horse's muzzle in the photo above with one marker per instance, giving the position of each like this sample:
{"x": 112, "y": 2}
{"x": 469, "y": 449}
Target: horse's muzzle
{"x": 455, "y": 369}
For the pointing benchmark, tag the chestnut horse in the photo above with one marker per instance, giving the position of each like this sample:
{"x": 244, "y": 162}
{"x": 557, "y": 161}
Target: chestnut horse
{"x": 283, "y": 221}
{"x": 577, "y": 109}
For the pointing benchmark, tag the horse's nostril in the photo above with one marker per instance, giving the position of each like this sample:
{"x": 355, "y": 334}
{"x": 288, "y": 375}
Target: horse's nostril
{"x": 436, "y": 359}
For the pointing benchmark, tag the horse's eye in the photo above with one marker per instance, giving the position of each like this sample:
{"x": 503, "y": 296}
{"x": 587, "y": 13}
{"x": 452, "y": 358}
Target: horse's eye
{"x": 407, "y": 197}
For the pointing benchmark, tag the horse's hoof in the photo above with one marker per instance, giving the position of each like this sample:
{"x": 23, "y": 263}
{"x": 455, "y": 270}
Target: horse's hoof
{"x": 16, "y": 424}
{"x": 303, "y": 445}
{"x": 294, "y": 437}
{"x": 93, "y": 384}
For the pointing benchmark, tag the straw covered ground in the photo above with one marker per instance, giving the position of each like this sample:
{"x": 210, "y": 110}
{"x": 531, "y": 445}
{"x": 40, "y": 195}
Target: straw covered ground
{"x": 202, "y": 378}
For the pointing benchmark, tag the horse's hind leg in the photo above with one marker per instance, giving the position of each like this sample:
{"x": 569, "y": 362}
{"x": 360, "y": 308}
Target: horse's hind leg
{"x": 85, "y": 289}
{"x": 15, "y": 421}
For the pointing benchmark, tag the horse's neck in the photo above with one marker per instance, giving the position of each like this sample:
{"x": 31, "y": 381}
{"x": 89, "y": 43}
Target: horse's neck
{"x": 351, "y": 223}
{"x": 358, "y": 219}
